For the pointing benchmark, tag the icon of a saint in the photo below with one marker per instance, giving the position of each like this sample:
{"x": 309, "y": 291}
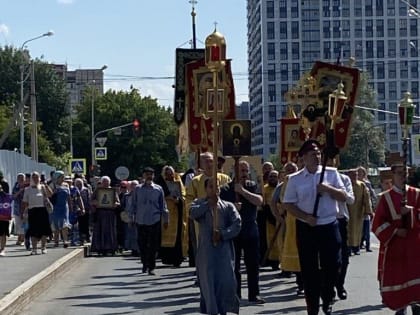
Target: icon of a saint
{"x": 105, "y": 199}
{"x": 293, "y": 142}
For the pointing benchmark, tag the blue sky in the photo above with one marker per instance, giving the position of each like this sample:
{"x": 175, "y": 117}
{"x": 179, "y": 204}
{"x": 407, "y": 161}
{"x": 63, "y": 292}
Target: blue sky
{"x": 134, "y": 38}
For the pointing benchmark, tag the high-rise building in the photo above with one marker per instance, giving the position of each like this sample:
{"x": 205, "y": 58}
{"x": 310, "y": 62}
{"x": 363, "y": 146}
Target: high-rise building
{"x": 242, "y": 111}
{"x": 285, "y": 37}
{"x": 78, "y": 81}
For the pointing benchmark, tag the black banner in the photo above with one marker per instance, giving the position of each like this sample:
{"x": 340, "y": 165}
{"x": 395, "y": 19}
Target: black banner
{"x": 183, "y": 56}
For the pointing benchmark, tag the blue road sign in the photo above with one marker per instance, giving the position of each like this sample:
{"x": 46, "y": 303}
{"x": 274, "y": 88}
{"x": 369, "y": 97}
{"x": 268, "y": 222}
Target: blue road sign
{"x": 101, "y": 153}
{"x": 78, "y": 166}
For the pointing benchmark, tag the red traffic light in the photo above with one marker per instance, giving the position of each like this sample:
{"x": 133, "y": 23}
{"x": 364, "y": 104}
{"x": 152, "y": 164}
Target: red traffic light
{"x": 136, "y": 127}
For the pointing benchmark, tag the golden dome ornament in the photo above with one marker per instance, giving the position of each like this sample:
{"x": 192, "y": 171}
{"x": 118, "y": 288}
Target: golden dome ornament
{"x": 215, "y": 55}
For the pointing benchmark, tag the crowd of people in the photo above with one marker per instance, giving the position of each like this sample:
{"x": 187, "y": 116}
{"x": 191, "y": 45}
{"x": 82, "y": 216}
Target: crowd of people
{"x": 290, "y": 221}
{"x": 42, "y": 211}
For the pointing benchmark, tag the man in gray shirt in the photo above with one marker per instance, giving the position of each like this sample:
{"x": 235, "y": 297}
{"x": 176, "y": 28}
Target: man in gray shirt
{"x": 149, "y": 208}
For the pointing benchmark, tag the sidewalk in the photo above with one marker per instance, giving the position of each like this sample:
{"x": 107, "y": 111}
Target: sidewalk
{"x": 24, "y": 276}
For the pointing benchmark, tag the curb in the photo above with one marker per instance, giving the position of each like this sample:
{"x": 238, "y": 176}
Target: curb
{"x": 18, "y": 298}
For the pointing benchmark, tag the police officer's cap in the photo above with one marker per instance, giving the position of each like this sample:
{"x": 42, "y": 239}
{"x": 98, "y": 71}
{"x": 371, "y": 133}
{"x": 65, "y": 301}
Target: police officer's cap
{"x": 309, "y": 145}
{"x": 148, "y": 170}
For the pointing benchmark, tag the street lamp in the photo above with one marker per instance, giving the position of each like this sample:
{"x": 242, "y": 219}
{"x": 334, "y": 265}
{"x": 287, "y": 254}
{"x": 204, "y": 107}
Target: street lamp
{"x": 336, "y": 103}
{"x": 22, "y": 81}
{"x": 406, "y": 113}
{"x": 92, "y": 128}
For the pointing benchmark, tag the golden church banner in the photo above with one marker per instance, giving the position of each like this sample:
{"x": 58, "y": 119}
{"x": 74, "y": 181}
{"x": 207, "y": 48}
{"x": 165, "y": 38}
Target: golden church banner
{"x": 200, "y": 96}
{"x": 328, "y": 76}
{"x": 310, "y": 97}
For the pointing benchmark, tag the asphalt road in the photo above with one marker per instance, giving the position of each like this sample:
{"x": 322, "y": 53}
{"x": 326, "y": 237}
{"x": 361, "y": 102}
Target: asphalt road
{"x": 114, "y": 285}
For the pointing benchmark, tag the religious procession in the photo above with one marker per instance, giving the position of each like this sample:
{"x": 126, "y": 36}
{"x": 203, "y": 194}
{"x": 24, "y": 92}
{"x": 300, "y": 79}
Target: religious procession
{"x": 233, "y": 213}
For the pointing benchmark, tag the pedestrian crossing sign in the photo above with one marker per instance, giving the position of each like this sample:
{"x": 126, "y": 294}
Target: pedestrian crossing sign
{"x": 101, "y": 153}
{"x": 78, "y": 166}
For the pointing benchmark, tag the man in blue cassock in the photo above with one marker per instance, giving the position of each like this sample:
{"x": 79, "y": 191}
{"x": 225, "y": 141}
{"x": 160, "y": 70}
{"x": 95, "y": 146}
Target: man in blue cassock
{"x": 219, "y": 222}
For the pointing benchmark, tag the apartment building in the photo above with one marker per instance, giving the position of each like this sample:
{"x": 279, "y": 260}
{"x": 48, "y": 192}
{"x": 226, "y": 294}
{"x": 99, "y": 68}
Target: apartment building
{"x": 78, "y": 81}
{"x": 285, "y": 37}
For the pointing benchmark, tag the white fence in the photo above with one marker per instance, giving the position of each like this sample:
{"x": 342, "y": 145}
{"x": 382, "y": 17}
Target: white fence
{"x": 12, "y": 163}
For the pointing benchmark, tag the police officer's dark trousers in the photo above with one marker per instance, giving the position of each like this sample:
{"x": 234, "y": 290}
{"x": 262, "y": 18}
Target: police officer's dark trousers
{"x": 320, "y": 257}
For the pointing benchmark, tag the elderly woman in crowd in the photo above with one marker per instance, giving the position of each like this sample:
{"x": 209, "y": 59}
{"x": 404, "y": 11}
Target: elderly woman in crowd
{"x": 104, "y": 202}
{"x": 131, "y": 242}
{"x": 83, "y": 218}
{"x": 38, "y": 217}
{"x": 62, "y": 204}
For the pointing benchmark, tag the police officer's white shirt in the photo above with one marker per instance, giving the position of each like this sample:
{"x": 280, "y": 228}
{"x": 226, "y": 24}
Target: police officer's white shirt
{"x": 301, "y": 191}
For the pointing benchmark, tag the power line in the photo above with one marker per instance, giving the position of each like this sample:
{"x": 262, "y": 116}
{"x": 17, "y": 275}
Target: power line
{"x": 381, "y": 110}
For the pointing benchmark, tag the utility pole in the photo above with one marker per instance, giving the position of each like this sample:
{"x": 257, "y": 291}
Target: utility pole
{"x": 34, "y": 133}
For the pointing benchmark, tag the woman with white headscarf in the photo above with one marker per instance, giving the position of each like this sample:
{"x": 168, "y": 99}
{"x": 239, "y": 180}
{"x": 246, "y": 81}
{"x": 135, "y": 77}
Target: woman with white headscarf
{"x": 104, "y": 236}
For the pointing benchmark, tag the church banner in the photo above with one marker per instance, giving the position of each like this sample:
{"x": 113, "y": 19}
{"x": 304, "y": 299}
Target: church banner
{"x": 200, "y": 97}
{"x": 328, "y": 76}
{"x": 292, "y": 138}
{"x": 182, "y": 57}
{"x": 310, "y": 96}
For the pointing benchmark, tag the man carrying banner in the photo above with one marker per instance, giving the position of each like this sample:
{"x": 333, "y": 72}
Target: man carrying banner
{"x": 318, "y": 237}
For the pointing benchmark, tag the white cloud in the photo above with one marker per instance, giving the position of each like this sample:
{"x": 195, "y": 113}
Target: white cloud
{"x": 4, "y": 29}
{"x": 65, "y": 1}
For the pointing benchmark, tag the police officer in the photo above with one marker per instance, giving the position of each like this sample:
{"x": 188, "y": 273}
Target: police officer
{"x": 242, "y": 191}
{"x": 318, "y": 238}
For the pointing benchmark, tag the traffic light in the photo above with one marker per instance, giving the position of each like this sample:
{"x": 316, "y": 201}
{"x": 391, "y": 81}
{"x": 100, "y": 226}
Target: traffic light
{"x": 136, "y": 127}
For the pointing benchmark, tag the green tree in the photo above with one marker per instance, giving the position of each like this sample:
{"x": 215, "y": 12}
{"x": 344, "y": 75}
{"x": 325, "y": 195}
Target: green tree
{"x": 275, "y": 159}
{"x": 367, "y": 142}
{"x": 156, "y": 145}
{"x": 51, "y": 100}
{"x": 10, "y": 62}
{"x": 50, "y": 103}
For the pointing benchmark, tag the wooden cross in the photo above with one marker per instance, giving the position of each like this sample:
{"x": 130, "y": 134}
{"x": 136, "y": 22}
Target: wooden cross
{"x": 192, "y": 3}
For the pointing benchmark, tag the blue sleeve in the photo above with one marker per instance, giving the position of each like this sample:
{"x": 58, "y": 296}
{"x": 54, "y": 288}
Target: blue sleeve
{"x": 276, "y": 194}
{"x": 198, "y": 209}
{"x": 234, "y": 228}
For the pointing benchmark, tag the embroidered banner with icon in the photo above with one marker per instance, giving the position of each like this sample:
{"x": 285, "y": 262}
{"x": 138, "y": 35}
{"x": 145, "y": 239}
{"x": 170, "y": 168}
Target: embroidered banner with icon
{"x": 200, "y": 99}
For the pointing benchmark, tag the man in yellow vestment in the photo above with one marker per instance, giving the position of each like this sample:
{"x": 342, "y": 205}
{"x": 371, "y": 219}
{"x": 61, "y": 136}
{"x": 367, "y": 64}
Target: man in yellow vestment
{"x": 362, "y": 206}
{"x": 273, "y": 256}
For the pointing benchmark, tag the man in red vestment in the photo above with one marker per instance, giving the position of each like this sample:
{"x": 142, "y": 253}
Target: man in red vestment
{"x": 397, "y": 227}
